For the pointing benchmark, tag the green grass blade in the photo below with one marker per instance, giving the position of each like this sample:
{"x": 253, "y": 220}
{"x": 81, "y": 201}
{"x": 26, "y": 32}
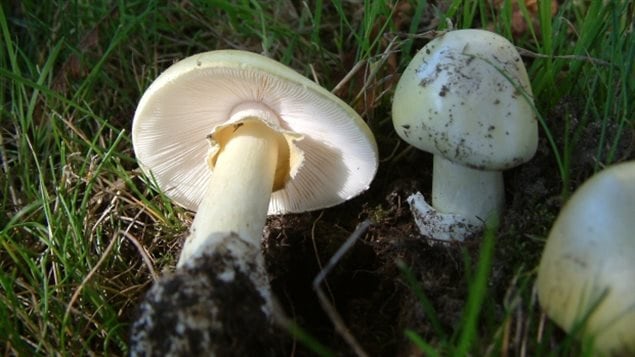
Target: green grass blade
{"x": 476, "y": 294}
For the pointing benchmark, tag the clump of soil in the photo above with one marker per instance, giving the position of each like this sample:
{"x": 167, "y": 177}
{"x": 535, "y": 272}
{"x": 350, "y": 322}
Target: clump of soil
{"x": 208, "y": 306}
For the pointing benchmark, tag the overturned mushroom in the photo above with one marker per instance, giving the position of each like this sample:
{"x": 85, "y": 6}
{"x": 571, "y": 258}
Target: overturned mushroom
{"x": 465, "y": 98}
{"x": 234, "y": 136}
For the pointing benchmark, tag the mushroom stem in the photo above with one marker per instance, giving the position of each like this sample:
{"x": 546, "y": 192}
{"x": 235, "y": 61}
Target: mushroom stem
{"x": 474, "y": 194}
{"x": 238, "y": 194}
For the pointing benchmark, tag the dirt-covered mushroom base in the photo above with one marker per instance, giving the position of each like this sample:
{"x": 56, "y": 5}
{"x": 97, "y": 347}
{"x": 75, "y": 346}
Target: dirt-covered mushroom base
{"x": 210, "y": 306}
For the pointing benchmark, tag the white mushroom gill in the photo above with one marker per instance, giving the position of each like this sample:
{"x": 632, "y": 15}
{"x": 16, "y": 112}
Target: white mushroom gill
{"x": 198, "y": 94}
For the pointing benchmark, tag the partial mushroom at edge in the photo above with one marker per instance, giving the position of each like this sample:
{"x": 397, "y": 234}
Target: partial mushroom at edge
{"x": 586, "y": 276}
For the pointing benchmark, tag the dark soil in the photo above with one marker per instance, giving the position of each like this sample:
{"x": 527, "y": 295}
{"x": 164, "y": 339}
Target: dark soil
{"x": 369, "y": 290}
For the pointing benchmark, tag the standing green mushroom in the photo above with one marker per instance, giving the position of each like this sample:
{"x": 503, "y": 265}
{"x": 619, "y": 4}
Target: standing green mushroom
{"x": 235, "y": 136}
{"x": 465, "y": 97}
{"x": 586, "y": 276}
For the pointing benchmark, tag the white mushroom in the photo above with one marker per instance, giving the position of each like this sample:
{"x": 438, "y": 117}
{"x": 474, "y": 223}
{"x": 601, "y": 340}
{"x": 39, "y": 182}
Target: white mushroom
{"x": 234, "y": 136}
{"x": 586, "y": 276}
{"x": 465, "y": 97}
{"x": 213, "y": 128}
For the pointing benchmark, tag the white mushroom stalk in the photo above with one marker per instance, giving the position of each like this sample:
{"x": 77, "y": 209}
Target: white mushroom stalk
{"x": 465, "y": 97}
{"x": 472, "y": 196}
{"x": 586, "y": 277}
{"x": 238, "y": 194}
{"x": 470, "y": 193}
{"x": 249, "y": 157}
{"x": 236, "y": 201}
{"x": 235, "y": 136}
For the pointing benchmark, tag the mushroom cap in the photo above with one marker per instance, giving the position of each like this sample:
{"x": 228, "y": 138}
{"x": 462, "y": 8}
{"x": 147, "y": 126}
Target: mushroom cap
{"x": 198, "y": 94}
{"x": 591, "y": 251}
{"x": 466, "y": 96}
